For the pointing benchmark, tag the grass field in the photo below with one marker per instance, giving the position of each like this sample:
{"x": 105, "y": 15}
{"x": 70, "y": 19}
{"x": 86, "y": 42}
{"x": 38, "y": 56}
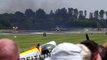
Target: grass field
{"x": 25, "y": 42}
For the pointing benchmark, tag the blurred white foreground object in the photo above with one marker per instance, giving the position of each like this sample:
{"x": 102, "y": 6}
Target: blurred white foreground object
{"x": 34, "y": 53}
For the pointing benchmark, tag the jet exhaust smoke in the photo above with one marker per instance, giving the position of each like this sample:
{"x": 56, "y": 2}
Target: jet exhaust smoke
{"x": 22, "y": 5}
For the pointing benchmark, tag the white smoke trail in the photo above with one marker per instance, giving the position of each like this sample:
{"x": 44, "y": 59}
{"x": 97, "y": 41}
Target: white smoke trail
{"x": 22, "y": 5}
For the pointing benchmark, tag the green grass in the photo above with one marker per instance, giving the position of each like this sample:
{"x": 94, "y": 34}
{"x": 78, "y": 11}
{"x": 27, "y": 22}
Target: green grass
{"x": 25, "y": 42}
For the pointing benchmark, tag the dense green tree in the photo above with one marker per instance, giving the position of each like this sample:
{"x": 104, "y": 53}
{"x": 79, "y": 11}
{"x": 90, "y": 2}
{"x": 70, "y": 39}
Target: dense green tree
{"x": 85, "y": 13}
{"x": 101, "y": 14}
{"x": 106, "y": 14}
{"x": 51, "y": 13}
{"x": 29, "y": 13}
{"x": 96, "y": 15}
{"x": 18, "y": 13}
{"x": 75, "y": 13}
{"x": 4, "y": 23}
{"x": 91, "y": 16}
{"x": 40, "y": 13}
{"x": 63, "y": 13}
{"x": 67, "y": 18}
{"x": 81, "y": 16}
{"x": 70, "y": 11}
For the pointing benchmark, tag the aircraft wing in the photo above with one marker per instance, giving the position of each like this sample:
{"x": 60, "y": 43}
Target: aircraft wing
{"x": 30, "y": 54}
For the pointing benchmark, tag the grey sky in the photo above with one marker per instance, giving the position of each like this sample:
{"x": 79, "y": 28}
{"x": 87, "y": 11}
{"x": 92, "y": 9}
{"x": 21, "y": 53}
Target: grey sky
{"x": 21, "y": 5}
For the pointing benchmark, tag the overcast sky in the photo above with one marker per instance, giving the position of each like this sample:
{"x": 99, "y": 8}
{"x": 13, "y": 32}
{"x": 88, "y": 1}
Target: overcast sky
{"x": 47, "y": 5}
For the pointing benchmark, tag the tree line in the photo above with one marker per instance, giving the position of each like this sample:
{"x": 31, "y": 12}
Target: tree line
{"x": 66, "y": 18}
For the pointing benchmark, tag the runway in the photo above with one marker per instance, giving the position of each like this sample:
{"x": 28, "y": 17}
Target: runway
{"x": 50, "y": 32}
